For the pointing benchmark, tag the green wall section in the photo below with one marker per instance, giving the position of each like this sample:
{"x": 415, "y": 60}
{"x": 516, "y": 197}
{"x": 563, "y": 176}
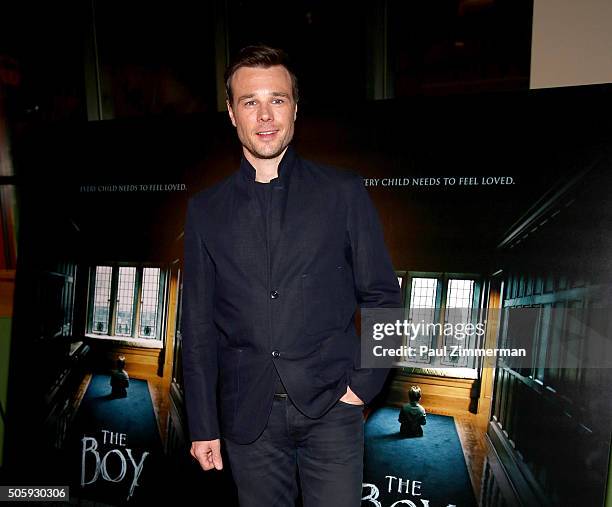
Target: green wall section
{"x": 5, "y": 345}
{"x": 609, "y": 487}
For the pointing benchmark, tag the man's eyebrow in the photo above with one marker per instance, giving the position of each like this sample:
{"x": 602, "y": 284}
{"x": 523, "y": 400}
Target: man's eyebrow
{"x": 274, "y": 94}
{"x": 249, "y": 96}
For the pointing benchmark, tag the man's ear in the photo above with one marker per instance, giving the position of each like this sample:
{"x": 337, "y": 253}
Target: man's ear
{"x": 230, "y": 112}
{"x": 295, "y": 113}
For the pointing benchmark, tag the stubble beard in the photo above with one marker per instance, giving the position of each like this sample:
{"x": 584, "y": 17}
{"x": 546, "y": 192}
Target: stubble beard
{"x": 271, "y": 152}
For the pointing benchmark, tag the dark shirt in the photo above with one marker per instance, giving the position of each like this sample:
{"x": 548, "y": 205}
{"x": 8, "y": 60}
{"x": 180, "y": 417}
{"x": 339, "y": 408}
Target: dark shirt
{"x": 412, "y": 416}
{"x": 270, "y": 214}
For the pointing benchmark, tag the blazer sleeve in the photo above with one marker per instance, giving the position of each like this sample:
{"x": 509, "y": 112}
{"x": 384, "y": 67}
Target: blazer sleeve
{"x": 199, "y": 334}
{"x": 374, "y": 277}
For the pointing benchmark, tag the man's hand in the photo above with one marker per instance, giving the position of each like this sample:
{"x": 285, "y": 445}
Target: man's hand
{"x": 208, "y": 453}
{"x": 351, "y": 397}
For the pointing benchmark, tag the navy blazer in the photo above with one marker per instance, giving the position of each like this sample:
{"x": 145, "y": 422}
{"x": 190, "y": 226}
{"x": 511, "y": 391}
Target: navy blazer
{"x": 246, "y": 312}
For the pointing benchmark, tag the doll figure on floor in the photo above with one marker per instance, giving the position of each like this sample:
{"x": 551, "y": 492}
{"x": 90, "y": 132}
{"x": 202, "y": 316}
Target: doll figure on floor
{"x": 412, "y": 415}
{"x": 120, "y": 380}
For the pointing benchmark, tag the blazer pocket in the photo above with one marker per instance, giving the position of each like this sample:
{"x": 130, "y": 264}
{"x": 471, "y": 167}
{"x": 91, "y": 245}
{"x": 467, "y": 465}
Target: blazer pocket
{"x": 322, "y": 300}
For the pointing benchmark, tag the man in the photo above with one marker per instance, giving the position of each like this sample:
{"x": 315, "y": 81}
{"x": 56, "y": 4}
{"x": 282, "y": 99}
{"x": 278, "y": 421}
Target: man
{"x": 277, "y": 257}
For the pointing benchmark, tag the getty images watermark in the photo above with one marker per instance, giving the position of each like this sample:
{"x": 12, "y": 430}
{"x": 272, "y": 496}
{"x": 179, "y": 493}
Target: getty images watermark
{"x": 457, "y": 331}
{"x": 458, "y": 337}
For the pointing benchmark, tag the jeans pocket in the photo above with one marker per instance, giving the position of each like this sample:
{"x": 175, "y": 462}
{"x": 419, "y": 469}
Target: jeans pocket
{"x": 360, "y": 405}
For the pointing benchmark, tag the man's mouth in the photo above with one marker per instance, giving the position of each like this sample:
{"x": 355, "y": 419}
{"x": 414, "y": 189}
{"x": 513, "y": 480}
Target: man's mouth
{"x": 265, "y": 134}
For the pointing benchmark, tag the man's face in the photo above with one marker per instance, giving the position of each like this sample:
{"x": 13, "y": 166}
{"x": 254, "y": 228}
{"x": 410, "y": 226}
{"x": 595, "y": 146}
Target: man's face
{"x": 263, "y": 109}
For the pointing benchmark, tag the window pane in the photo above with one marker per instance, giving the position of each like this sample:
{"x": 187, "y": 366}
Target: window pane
{"x": 423, "y": 293}
{"x": 460, "y": 295}
{"x": 149, "y": 305}
{"x": 102, "y": 299}
{"x": 459, "y": 301}
{"x": 125, "y": 301}
{"x": 422, "y": 309}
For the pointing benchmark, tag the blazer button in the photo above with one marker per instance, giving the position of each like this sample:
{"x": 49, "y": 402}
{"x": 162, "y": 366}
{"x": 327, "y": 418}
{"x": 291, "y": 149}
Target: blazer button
{"x": 275, "y": 353}
{"x": 274, "y": 294}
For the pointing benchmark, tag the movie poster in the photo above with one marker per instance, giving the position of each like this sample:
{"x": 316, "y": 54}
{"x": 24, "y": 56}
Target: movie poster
{"x": 95, "y": 402}
{"x": 497, "y": 212}
{"x": 487, "y": 202}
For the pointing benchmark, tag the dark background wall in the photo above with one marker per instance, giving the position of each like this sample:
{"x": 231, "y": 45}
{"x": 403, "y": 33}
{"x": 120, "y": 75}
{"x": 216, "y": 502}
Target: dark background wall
{"x": 134, "y": 59}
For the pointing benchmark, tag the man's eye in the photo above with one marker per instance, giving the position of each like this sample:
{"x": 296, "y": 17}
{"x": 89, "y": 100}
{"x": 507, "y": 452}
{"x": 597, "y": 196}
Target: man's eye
{"x": 278, "y": 101}
{"x": 249, "y": 103}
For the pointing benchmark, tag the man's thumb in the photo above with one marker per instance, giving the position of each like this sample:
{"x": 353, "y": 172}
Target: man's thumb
{"x": 216, "y": 457}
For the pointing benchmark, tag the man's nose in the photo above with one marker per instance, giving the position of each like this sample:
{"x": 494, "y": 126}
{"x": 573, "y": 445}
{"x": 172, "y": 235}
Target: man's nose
{"x": 265, "y": 113}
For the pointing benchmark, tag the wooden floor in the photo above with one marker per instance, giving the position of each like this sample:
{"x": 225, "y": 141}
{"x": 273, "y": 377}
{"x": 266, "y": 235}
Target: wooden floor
{"x": 160, "y": 394}
{"x": 470, "y": 427}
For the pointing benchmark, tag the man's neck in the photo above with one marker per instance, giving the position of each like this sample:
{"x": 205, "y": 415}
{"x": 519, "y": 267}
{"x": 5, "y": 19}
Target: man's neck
{"x": 266, "y": 169}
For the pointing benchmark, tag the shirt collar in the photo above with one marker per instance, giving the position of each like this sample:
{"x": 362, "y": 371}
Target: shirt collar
{"x": 284, "y": 167}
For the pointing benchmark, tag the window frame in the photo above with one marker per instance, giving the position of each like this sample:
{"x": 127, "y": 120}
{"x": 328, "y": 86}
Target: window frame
{"x": 442, "y": 282}
{"x": 136, "y": 303}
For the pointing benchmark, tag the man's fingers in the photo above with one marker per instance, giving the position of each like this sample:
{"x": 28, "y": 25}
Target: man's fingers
{"x": 204, "y": 459}
{"x": 215, "y": 454}
{"x": 216, "y": 459}
{"x": 208, "y": 464}
{"x": 208, "y": 454}
{"x": 350, "y": 397}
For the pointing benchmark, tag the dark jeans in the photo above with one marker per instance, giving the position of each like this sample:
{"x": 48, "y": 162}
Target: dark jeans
{"x": 326, "y": 453}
